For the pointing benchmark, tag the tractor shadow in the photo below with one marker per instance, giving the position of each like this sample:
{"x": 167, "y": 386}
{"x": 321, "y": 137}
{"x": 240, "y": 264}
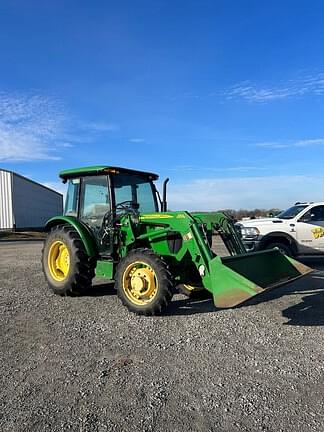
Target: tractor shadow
{"x": 180, "y": 305}
{"x": 199, "y": 304}
{"x": 310, "y": 310}
{"x": 101, "y": 289}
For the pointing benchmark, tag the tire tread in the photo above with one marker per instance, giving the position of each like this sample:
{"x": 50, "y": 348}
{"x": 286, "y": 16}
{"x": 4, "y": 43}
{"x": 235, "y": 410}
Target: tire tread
{"x": 164, "y": 297}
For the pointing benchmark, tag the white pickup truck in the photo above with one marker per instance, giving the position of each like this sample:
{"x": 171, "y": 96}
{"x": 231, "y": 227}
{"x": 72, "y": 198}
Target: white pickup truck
{"x": 296, "y": 231}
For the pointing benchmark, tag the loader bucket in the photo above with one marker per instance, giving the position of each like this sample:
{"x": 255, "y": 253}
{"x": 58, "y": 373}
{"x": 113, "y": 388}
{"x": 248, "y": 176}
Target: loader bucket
{"x": 235, "y": 279}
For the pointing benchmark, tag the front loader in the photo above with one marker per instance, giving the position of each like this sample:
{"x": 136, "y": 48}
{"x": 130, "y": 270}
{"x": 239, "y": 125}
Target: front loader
{"x": 116, "y": 226}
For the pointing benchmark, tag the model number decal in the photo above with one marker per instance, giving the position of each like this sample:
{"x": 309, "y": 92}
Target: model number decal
{"x": 318, "y": 232}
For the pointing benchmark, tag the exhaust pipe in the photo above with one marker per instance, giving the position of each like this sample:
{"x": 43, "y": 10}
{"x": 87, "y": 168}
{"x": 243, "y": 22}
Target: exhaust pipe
{"x": 164, "y": 197}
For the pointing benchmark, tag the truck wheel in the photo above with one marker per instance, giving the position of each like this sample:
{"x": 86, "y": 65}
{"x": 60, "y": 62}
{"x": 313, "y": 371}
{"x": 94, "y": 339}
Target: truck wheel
{"x": 285, "y": 249}
{"x": 143, "y": 282}
{"x": 67, "y": 267}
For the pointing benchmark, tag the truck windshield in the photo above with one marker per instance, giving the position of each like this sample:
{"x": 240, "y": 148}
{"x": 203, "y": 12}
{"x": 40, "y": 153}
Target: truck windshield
{"x": 136, "y": 189}
{"x": 291, "y": 212}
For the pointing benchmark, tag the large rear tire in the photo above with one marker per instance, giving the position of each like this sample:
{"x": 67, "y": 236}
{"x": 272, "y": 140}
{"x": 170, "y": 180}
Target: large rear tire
{"x": 143, "y": 282}
{"x": 67, "y": 267}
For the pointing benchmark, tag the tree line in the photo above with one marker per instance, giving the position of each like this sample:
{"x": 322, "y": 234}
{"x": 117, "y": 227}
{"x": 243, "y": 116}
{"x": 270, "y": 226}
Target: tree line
{"x": 256, "y": 213}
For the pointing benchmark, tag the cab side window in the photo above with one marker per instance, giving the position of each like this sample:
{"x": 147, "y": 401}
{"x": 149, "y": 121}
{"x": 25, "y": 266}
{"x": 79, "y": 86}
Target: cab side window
{"x": 315, "y": 214}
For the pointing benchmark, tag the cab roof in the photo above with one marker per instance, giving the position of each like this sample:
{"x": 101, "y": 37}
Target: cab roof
{"x": 103, "y": 169}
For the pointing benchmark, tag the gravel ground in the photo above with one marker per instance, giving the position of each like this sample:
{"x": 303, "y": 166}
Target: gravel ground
{"x": 87, "y": 364}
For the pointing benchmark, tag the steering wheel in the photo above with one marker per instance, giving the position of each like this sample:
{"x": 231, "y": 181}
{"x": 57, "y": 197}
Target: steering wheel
{"x": 125, "y": 205}
{"x": 109, "y": 219}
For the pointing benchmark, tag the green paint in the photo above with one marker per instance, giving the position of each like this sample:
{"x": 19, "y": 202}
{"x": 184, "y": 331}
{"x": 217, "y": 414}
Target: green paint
{"x": 102, "y": 169}
{"x": 183, "y": 240}
{"x": 85, "y": 235}
{"x": 232, "y": 279}
{"x": 235, "y": 279}
{"x": 105, "y": 269}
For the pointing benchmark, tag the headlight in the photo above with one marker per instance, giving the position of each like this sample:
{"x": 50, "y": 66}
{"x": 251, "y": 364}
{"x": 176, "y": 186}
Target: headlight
{"x": 250, "y": 232}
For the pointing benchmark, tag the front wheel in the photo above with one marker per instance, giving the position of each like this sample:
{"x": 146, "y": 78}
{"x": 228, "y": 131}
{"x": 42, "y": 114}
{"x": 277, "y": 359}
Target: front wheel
{"x": 284, "y": 249}
{"x": 143, "y": 282}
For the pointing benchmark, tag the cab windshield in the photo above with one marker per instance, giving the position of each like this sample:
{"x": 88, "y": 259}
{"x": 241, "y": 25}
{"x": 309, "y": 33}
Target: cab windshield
{"x": 291, "y": 212}
{"x": 136, "y": 190}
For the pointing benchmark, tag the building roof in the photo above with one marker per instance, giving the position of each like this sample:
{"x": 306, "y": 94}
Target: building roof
{"x": 103, "y": 169}
{"x": 31, "y": 181}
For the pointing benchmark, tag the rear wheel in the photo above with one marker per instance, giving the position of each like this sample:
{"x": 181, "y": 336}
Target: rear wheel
{"x": 144, "y": 283}
{"x": 67, "y": 267}
{"x": 285, "y": 249}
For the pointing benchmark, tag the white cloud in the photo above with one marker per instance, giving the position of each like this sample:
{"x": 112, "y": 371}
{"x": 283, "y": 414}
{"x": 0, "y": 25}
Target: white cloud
{"x": 136, "y": 140}
{"x": 101, "y": 127}
{"x": 65, "y": 145}
{"x": 254, "y": 94}
{"x": 29, "y": 126}
{"x": 308, "y": 84}
{"x": 200, "y": 169}
{"x": 287, "y": 144}
{"x": 309, "y": 142}
{"x": 244, "y": 192}
{"x": 35, "y": 127}
{"x": 272, "y": 144}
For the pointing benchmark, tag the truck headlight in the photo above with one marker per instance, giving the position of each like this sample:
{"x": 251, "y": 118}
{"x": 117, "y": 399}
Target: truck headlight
{"x": 249, "y": 232}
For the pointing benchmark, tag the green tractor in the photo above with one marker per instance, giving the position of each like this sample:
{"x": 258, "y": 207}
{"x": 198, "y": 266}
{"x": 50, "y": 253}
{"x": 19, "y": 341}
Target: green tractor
{"x": 116, "y": 226}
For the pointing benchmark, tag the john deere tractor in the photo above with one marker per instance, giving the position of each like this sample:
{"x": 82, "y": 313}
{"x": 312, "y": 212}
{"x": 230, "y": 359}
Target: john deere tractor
{"x": 116, "y": 226}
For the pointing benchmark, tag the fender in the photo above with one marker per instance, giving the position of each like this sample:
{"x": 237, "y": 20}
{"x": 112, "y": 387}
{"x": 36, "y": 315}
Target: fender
{"x": 81, "y": 228}
{"x": 281, "y": 234}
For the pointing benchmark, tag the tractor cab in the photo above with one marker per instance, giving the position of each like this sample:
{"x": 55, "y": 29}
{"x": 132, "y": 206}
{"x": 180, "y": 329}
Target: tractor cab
{"x": 98, "y": 196}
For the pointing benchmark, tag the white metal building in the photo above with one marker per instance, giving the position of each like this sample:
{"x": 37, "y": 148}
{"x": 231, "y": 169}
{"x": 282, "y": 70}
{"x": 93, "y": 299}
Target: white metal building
{"x": 26, "y": 204}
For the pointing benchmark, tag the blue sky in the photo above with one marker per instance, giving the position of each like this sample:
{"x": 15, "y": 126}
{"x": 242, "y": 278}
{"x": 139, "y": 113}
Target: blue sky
{"x": 224, "y": 97}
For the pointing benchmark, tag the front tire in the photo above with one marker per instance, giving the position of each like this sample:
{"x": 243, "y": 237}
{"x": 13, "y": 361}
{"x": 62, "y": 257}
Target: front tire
{"x": 67, "y": 267}
{"x": 143, "y": 282}
{"x": 285, "y": 249}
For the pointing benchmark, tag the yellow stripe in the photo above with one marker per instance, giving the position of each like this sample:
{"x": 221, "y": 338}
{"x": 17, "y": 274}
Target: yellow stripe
{"x": 156, "y": 216}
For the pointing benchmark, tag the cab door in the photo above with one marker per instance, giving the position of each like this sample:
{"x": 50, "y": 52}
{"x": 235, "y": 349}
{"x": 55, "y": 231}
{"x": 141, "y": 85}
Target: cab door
{"x": 310, "y": 231}
{"x": 95, "y": 205}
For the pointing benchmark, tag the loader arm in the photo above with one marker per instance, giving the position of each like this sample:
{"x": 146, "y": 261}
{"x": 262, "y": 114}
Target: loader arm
{"x": 232, "y": 280}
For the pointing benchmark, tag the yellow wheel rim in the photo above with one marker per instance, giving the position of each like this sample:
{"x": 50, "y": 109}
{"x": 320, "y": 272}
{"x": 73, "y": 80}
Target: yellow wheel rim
{"x": 58, "y": 260}
{"x": 140, "y": 283}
